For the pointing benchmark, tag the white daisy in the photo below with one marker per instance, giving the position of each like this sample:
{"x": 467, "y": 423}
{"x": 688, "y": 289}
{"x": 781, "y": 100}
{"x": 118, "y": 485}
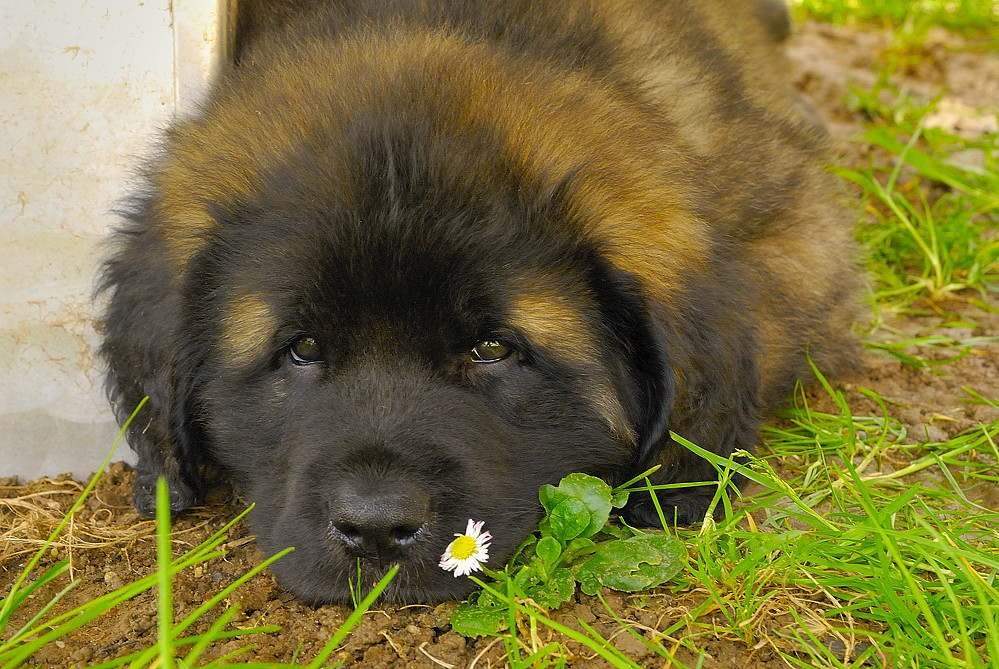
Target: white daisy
{"x": 468, "y": 551}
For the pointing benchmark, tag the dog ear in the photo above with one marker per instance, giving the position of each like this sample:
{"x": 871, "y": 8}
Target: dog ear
{"x": 142, "y": 345}
{"x": 648, "y": 382}
{"x": 699, "y": 363}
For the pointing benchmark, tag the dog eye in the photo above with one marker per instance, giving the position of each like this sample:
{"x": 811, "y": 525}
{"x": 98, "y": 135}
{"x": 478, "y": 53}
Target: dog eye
{"x": 305, "y": 351}
{"x": 489, "y": 350}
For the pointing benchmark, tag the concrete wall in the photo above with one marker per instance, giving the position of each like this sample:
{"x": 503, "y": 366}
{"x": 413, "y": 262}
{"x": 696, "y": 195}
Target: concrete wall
{"x": 84, "y": 87}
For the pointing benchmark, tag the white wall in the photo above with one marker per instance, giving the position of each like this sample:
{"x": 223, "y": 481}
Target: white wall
{"x": 84, "y": 87}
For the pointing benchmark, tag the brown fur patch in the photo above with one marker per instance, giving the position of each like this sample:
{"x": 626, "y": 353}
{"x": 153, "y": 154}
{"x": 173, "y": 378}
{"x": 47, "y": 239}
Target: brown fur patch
{"x": 549, "y": 127}
{"x": 248, "y": 328}
{"x": 558, "y": 323}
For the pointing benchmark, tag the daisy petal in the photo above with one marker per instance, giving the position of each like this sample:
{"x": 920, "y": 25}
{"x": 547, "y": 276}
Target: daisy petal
{"x": 468, "y": 551}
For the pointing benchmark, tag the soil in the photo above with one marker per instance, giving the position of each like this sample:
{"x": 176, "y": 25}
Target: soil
{"x": 109, "y": 545}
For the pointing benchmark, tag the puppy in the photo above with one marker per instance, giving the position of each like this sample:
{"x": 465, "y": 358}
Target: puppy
{"x": 412, "y": 260}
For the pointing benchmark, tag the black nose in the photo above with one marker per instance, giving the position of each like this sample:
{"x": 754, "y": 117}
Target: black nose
{"x": 379, "y": 527}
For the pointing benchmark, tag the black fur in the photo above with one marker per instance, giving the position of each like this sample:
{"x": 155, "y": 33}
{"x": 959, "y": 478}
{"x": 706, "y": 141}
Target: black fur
{"x": 391, "y": 439}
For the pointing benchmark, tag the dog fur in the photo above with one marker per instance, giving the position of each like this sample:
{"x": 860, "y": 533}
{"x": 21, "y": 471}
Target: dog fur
{"x": 627, "y": 198}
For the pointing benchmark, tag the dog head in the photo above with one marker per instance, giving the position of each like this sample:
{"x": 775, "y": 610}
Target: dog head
{"x": 374, "y": 373}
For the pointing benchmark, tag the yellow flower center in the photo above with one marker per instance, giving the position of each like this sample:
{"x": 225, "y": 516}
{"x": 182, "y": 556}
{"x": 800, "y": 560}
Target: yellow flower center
{"x": 463, "y": 547}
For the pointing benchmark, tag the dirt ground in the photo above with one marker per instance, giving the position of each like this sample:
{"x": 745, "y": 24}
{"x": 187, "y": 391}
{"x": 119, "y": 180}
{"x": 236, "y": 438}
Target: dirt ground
{"x": 109, "y": 545}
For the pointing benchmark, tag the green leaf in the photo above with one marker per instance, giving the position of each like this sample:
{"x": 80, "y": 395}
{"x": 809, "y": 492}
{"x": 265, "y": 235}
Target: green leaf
{"x": 548, "y": 567}
{"x": 633, "y": 564}
{"x": 548, "y": 550}
{"x": 577, "y": 546}
{"x": 589, "y": 584}
{"x": 620, "y": 498}
{"x": 580, "y": 505}
{"x": 548, "y": 590}
{"x": 567, "y": 520}
{"x": 472, "y": 620}
{"x": 550, "y": 496}
{"x": 530, "y": 577}
{"x": 594, "y": 493}
{"x": 618, "y": 531}
{"x": 485, "y": 600}
{"x": 556, "y": 590}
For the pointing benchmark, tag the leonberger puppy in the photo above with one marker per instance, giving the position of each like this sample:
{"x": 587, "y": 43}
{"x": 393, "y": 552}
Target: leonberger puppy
{"x": 410, "y": 260}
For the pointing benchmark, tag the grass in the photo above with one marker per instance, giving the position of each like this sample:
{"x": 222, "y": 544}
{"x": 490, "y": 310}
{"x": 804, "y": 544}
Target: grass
{"x": 930, "y": 193}
{"x": 861, "y": 545}
{"x": 903, "y": 559}
{"x": 174, "y": 646}
{"x": 974, "y": 16}
{"x": 930, "y": 221}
